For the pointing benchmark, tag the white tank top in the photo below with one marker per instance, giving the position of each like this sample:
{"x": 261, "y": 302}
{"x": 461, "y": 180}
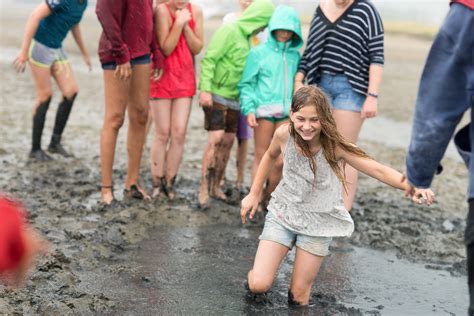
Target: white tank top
{"x": 313, "y": 210}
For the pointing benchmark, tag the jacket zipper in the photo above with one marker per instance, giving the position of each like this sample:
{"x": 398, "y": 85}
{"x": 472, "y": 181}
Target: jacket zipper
{"x": 285, "y": 88}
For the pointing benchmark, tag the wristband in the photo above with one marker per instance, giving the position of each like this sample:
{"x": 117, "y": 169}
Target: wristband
{"x": 374, "y": 95}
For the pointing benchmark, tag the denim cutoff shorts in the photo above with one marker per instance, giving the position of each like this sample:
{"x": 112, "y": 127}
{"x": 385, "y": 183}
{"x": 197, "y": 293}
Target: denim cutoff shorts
{"x": 276, "y": 232}
{"x": 340, "y": 93}
{"x": 140, "y": 60}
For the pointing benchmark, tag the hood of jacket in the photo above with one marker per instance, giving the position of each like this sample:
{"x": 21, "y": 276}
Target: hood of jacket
{"x": 256, "y": 16}
{"x": 285, "y": 18}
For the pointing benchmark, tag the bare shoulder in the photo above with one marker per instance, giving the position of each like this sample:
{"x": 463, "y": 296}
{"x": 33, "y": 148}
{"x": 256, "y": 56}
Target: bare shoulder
{"x": 162, "y": 10}
{"x": 197, "y": 10}
{"x": 282, "y": 133}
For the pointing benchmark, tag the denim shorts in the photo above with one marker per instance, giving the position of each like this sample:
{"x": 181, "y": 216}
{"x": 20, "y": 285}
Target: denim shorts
{"x": 340, "y": 93}
{"x": 276, "y": 232}
{"x": 140, "y": 60}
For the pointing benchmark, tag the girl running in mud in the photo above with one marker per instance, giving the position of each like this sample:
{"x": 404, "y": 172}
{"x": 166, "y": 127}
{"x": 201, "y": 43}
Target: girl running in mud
{"x": 45, "y": 31}
{"x": 307, "y": 209}
{"x": 179, "y": 28}
{"x": 124, "y": 51}
{"x": 266, "y": 87}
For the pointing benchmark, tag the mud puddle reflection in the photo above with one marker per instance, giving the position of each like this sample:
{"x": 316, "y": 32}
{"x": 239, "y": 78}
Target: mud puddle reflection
{"x": 201, "y": 270}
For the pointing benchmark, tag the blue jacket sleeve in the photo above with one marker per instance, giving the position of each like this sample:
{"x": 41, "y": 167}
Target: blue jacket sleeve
{"x": 248, "y": 84}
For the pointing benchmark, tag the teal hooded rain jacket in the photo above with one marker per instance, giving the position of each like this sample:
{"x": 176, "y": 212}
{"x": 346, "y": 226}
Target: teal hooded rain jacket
{"x": 266, "y": 87}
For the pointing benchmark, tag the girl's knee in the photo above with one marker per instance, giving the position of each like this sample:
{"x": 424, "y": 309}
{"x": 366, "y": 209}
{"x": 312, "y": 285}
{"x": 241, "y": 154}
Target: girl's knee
{"x": 43, "y": 96}
{"x": 114, "y": 121}
{"x": 162, "y": 136}
{"x": 258, "y": 284}
{"x": 178, "y": 137}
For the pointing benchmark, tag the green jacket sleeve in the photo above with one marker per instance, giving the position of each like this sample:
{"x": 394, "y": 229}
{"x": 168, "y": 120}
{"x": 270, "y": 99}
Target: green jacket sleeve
{"x": 248, "y": 84}
{"x": 215, "y": 51}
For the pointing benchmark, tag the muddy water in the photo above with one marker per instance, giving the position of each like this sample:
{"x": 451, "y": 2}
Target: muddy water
{"x": 201, "y": 270}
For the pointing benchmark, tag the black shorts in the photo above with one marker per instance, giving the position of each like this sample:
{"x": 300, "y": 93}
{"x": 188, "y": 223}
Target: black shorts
{"x": 219, "y": 117}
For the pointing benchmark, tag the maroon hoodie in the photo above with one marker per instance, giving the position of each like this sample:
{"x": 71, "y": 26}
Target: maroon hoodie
{"x": 128, "y": 31}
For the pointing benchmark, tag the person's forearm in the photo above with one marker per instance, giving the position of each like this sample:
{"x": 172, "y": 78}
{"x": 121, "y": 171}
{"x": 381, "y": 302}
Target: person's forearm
{"x": 194, "y": 42}
{"x": 299, "y": 77}
{"x": 76, "y": 33}
{"x": 30, "y": 31}
{"x": 264, "y": 168}
{"x": 375, "y": 78}
{"x": 171, "y": 41}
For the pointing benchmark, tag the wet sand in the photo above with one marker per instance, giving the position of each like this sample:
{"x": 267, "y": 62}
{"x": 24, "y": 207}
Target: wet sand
{"x": 171, "y": 258}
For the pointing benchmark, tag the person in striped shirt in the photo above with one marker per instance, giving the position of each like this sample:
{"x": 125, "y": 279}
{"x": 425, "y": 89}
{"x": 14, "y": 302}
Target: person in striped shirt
{"x": 344, "y": 56}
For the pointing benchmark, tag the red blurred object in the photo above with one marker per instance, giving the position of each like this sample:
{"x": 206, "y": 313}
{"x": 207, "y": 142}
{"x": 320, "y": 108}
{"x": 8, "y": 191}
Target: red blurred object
{"x": 12, "y": 243}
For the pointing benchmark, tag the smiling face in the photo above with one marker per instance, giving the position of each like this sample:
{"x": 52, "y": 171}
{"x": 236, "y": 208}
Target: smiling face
{"x": 283, "y": 36}
{"x": 306, "y": 122}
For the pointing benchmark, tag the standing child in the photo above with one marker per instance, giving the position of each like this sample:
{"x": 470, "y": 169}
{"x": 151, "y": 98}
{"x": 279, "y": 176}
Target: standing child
{"x": 179, "y": 27}
{"x": 244, "y": 133}
{"x": 221, "y": 70}
{"x": 307, "y": 208}
{"x": 45, "y": 31}
{"x": 124, "y": 51}
{"x": 266, "y": 87}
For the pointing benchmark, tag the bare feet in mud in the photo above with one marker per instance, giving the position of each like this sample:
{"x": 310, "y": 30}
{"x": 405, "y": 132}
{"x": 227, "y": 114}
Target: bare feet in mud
{"x": 107, "y": 194}
{"x": 218, "y": 194}
{"x": 135, "y": 191}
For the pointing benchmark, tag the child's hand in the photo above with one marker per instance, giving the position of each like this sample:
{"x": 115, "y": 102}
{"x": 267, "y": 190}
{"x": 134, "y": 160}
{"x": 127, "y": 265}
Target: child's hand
{"x": 249, "y": 203}
{"x": 205, "y": 99}
{"x": 416, "y": 194}
{"x": 251, "y": 120}
{"x": 422, "y": 195}
{"x": 183, "y": 16}
{"x": 156, "y": 74}
{"x": 20, "y": 62}
{"x": 87, "y": 61}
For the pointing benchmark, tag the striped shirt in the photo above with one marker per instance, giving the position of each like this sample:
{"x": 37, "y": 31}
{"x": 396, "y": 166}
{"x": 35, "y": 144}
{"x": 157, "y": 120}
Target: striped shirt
{"x": 349, "y": 45}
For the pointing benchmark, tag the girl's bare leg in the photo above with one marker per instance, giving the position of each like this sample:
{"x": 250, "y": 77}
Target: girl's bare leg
{"x": 305, "y": 271}
{"x": 349, "y": 124}
{"x": 64, "y": 76}
{"x": 242, "y": 151}
{"x": 180, "y": 110}
{"x": 222, "y": 158}
{"x": 267, "y": 261}
{"x": 161, "y": 113}
{"x": 214, "y": 138}
{"x": 138, "y": 117}
{"x": 116, "y": 99}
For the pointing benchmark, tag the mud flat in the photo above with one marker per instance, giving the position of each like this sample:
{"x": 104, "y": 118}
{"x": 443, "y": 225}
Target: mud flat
{"x": 140, "y": 257}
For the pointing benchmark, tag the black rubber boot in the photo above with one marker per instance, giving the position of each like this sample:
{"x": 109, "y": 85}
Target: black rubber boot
{"x": 469, "y": 241}
{"x": 38, "y": 124}
{"x": 62, "y": 116}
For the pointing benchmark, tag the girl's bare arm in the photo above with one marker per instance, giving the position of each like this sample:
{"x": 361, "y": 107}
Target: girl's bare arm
{"x": 195, "y": 39}
{"x": 168, "y": 38}
{"x": 31, "y": 27}
{"x": 384, "y": 174}
{"x": 77, "y": 34}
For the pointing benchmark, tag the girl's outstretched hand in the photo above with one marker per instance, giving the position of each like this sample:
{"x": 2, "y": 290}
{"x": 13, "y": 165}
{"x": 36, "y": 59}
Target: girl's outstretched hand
{"x": 249, "y": 203}
{"x": 416, "y": 194}
{"x": 20, "y": 62}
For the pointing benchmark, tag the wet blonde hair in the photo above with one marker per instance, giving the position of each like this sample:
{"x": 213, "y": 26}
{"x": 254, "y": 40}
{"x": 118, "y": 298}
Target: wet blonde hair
{"x": 330, "y": 137}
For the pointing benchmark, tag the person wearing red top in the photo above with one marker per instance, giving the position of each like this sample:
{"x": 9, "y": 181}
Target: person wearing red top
{"x": 179, "y": 28}
{"x": 124, "y": 51}
{"x": 19, "y": 244}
